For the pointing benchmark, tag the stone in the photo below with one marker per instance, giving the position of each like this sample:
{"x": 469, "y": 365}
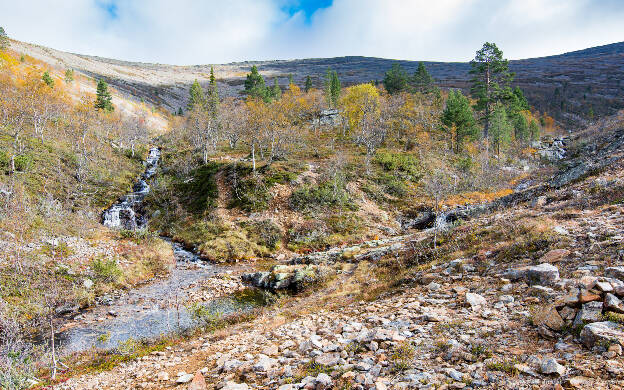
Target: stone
{"x": 323, "y": 381}
{"x": 230, "y": 385}
{"x": 579, "y": 382}
{"x": 604, "y": 286}
{"x": 615, "y": 272}
{"x": 231, "y": 365}
{"x": 327, "y": 359}
{"x": 554, "y": 256}
{"x": 613, "y": 303}
{"x": 87, "y": 283}
{"x": 271, "y": 350}
{"x": 475, "y": 301}
{"x": 433, "y": 286}
{"x": 264, "y": 363}
{"x": 198, "y": 383}
{"x": 590, "y": 312}
{"x": 606, "y": 332}
{"x": 184, "y": 378}
{"x": 550, "y": 366}
{"x": 162, "y": 376}
{"x": 548, "y": 316}
{"x": 567, "y": 313}
{"x": 542, "y": 274}
{"x": 586, "y": 296}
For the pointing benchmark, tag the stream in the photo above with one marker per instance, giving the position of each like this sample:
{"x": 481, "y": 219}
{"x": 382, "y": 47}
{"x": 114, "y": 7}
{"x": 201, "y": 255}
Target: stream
{"x": 154, "y": 309}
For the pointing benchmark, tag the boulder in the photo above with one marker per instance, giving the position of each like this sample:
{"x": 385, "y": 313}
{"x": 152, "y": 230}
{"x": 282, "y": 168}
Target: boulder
{"x": 554, "y": 256}
{"x": 548, "y": 316}
{"x": 542, "y": 274}
{"x": 613, "y": 303}
{"x": 590, "y": 312}
{"x": 605, "y": 332}
{"x": 184, "y": 378}
{"x": 475, "y": 301}
{"x": 615, "y": 272}
{"x": 198, "y": 383}
{"x": 231, "y": 385}
{"x": 550, "y": 366}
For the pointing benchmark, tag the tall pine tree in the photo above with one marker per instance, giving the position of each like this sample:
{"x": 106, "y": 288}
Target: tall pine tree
{"x": 308, "y": 84}
{"x": 213, "y": 94}
{"x": 500, "y": 128}
{"x": 490, "y": 81}
{"x": 255, "y": 86}
{"x": 103, "y": 98}
{"x": 276, "y": 91}
{"x": 4, "y": 39}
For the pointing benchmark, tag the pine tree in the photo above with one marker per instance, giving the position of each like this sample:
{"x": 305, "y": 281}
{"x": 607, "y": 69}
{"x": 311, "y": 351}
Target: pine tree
{"x": 490, "y": 81}
{"x": 276, "y": 91}
{"x": 521, "y": 128}
{"x": 459, "y": 118}
{"x": 534, "y": 130}
{"x": 196, "y": 97}
{"x": 4, "y": 39}
{"x": 180, "y": 112}
{"x": 308, "y": 84}
{"x": 395, "y": 79}
{"x": 290, "y": 80}
{"x": 500, "y": 128}
{"x": 213, "y": 94}
{"x": 103, "y": 99}
{"x": 69, "y": 76}
{"x": 47, "y": 79}
{"x": 255, "y": 86}
{"x": 335, "y": 88}
{"x": 422, "y": 80}
{"x": 327, "y": 86}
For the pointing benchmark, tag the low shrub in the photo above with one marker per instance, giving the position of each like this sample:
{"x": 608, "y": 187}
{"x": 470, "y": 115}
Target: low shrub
{"x": 404, "y": 163}
{"x": 329, "y": 194}
{"x": 23, "y": 162}
{"x": 265, "y": 232}
{"x": 106, "y": 270}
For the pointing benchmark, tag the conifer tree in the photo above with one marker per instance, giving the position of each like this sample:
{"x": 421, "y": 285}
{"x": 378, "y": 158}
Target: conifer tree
{"x": 308, "y": 84}
{"x": 395, "y": 79}
{"x": 180, "y": 112}
{"x": 290, "y": 80}
{"x": 521, "y": 128}
{"x": 490, "y": 81}
{"x": 213, "y": 94}
{"x": 422, "y": 80}
{"x": 47, "y": 79}
{"x": 459, "y": 119}
{"x": 196, "y": 97}
{"x": 255, "y": 86}
{"x": 534, "y": 130}
{"x": 4, "y": 39}
{"x": 336, "y": 87}
{"x": 500, "y": 128}
{"x": 69, "y": 76}
{"x": 276, "y": 91}
{"x": 103, "y": 98}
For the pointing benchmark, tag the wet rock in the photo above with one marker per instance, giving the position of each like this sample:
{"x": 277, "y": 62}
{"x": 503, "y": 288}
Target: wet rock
{"x": 605, "y": 332}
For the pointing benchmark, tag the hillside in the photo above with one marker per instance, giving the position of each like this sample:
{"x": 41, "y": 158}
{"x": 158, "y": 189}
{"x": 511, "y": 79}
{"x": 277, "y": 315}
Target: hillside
{"x": 566, "y": 86}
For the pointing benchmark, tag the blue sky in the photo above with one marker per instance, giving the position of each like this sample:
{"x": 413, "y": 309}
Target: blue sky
{"x": 216, "y": 31}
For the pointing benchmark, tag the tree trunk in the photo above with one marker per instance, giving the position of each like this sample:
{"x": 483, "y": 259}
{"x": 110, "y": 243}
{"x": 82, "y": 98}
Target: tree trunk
{"x": 253, "y": 156}
{"x": 53, "y": 369}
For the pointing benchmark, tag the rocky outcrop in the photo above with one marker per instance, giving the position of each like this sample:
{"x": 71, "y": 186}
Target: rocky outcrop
{"x": 287, "y": 277}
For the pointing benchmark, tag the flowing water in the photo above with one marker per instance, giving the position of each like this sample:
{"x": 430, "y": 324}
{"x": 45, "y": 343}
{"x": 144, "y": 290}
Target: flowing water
{"x": 157, "y": 308}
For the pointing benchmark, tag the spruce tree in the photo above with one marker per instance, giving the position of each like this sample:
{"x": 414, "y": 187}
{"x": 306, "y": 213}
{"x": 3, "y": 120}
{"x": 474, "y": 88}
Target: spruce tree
{"x": 327, "y": 86}
{"x": 276, "y": 91}
{"x": 4, "y": 39}
{"x": 500, "y": 128}
{"x": 180, "y": 112}
{"x": 290, "y": 80}
{"x": 255, "y": 86}
{"x": 47, "y": 79}
{"x": 335, "y": 88}
{"x": 459, "y": 119}
{"x": 534, "y": 130}
{"x": 213, "y": 94}
{"x": 490, "y": 81}
{"x": 395, "y": 79}
{"x": 103, "y": 98}
{"x": 308, "y": 84}
{"x": 69, "y": 76}
{"x": 422, "y": 80}
{"x": 196, "y": 97}
{"x": 521, "y": 128}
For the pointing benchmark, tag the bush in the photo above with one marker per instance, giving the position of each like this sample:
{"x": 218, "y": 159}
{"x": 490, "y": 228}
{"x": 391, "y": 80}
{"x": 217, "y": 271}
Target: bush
{"x": 5, "y": 159}
{"x": 231, "y": 245}
{"x": 265, "y": 232}
{"x": 251, "y": 194}
{"x": 200, "y": 193}
{"x": 106, "y": 270}
{"x": 400, "y": 162}
{"x": 330, "y": 194}
{"x": 23, "y": 162}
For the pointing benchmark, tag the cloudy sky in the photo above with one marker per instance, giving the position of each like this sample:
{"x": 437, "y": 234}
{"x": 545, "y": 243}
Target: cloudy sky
{"x": 218, "y": 31}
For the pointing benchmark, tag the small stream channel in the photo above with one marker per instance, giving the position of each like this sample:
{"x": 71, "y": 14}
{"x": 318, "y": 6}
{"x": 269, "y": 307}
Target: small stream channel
{"x": 154, "y": 309}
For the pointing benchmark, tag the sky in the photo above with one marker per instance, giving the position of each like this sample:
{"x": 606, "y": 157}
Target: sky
{"x": 185, "y": 32}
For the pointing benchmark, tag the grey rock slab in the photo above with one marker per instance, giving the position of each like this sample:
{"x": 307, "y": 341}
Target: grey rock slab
{"x": 602, "y": 332}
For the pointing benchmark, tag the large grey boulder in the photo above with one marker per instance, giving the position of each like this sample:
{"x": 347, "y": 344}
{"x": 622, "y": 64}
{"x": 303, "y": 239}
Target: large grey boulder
{"x": 542, "y": 274}
{"x": 605, "y": 332}
{"x": 590, "y": 312}
{"x": 613, "y": 303}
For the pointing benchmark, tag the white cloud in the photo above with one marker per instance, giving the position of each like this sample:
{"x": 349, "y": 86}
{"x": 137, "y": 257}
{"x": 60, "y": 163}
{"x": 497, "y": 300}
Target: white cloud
{"x": 213, "y": 31}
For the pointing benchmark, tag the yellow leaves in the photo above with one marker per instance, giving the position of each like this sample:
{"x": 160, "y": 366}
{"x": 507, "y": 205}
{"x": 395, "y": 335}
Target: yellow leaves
{"x": 475, "y": 197}
{"x": 7, "y": 60}
{"x": 361, "y": 101}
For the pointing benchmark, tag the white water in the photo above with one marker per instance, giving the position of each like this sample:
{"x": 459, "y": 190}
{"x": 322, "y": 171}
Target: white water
{"x": 127, "y": 213}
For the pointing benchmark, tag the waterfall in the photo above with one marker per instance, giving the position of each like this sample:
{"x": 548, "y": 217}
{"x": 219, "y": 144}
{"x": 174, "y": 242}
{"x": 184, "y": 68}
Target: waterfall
{"x": 127, "y": 212}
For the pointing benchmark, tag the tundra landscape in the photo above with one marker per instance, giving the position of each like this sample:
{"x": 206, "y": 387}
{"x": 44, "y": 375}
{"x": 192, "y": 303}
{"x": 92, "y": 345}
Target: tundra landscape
{"x": 325, "y": 223}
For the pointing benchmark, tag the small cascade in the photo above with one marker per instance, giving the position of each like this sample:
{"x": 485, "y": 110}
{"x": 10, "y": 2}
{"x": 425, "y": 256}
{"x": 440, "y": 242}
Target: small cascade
{"x": 127, "y": 212}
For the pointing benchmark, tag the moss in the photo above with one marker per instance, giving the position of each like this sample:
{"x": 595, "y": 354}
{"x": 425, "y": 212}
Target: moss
{"x": 329, "y": 194}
